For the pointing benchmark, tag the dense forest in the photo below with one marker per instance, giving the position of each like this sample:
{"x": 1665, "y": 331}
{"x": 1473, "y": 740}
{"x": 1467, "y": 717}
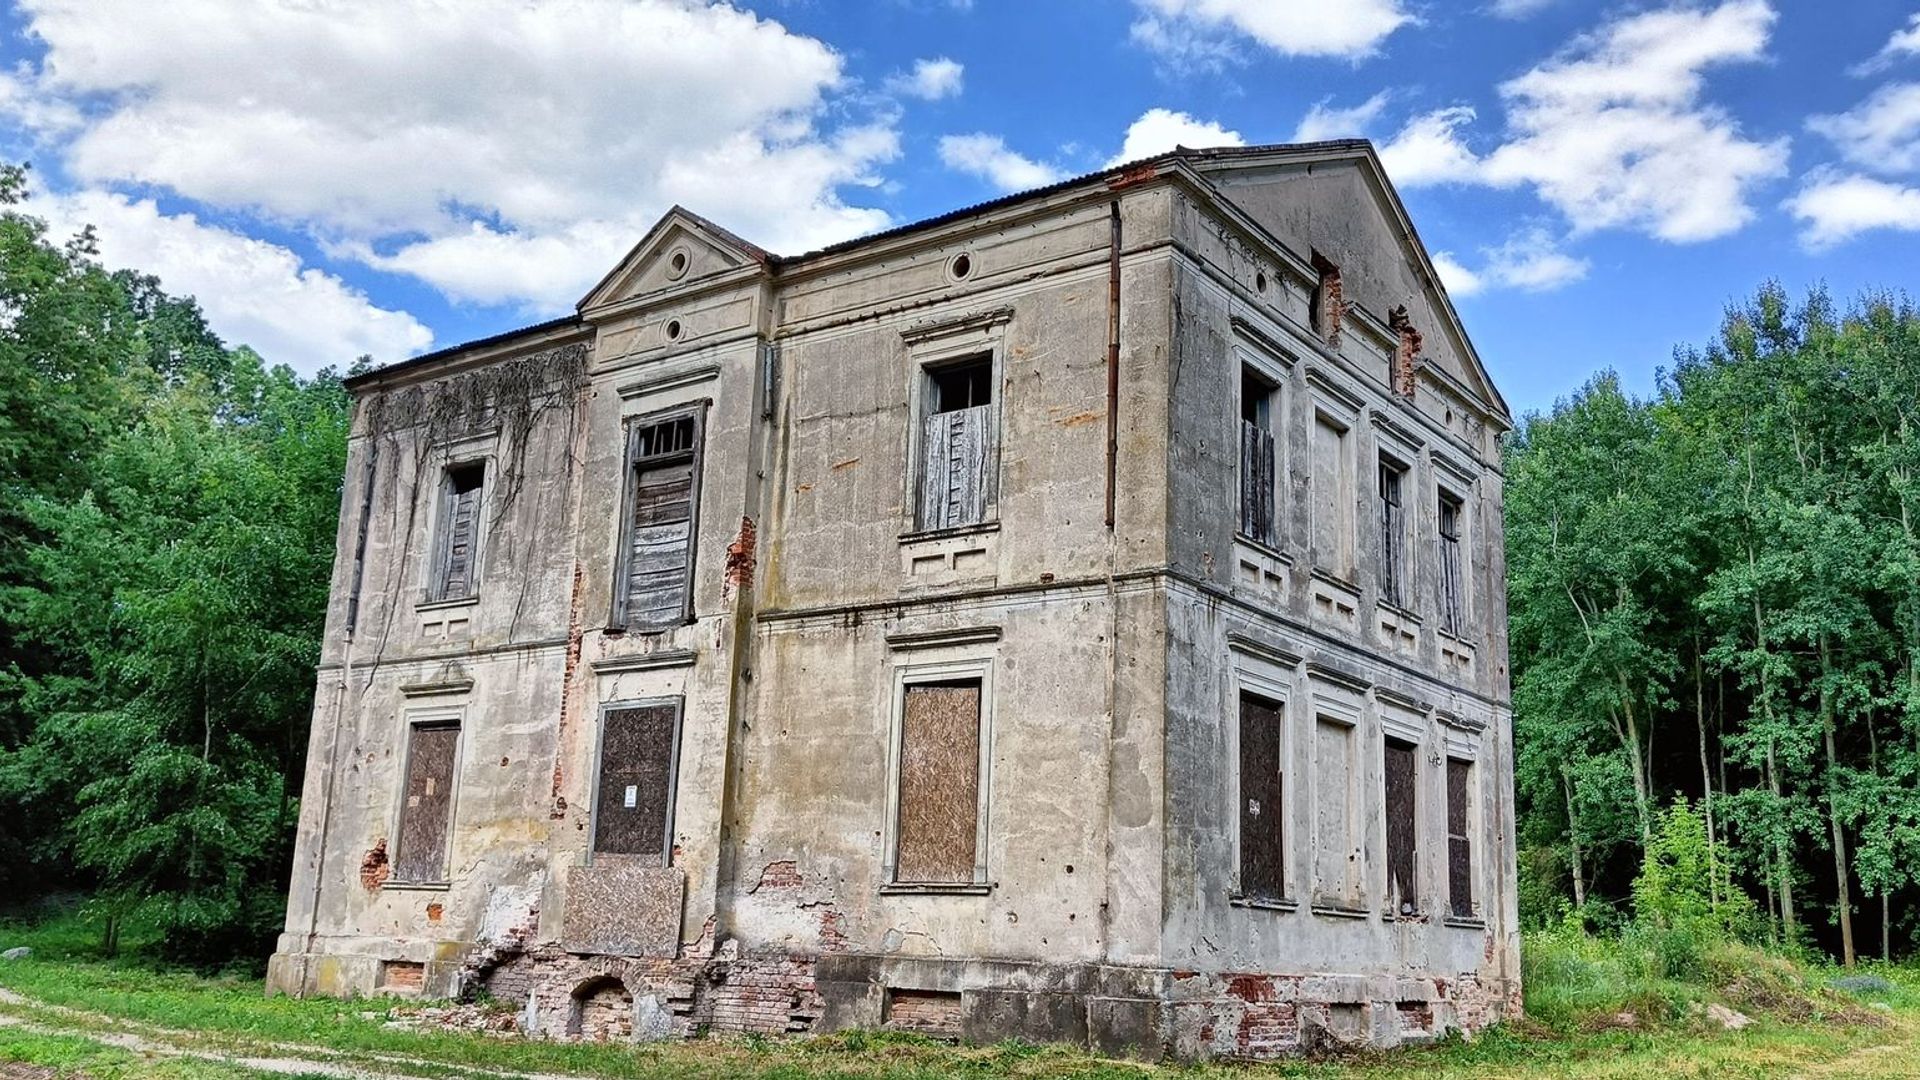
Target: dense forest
{"x": 167, "y": 510}
{"x": 1715, "y": 597}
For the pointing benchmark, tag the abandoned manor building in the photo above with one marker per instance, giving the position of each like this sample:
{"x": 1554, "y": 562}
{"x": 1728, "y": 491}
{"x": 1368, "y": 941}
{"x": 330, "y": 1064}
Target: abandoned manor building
{"x": 1078, "y": 617}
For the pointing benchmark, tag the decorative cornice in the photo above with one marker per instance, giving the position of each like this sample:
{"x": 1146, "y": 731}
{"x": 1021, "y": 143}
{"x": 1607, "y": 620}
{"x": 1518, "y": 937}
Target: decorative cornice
{"x": 1338, "y": 676}
{"x": 935, "y": 639}
{"x": 1244, "y": 643}
{"x": 1318, "y": 379}
{"x": 655, "y": 382}
{"x": 1274, "y": 348}
{"x": 649, "y": 661}
{"x": 961, "y": 324}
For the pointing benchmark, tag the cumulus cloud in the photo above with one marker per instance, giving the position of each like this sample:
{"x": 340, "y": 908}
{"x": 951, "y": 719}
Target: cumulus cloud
{"x": 1203, "y": 33}
{"x": 1518, "y": 9}
{"x": 1323, "y": 121}
{"x": 1905, "y": 42}
{"x": 1530, "y": 261}
{"x": 1882, "y": 133}
{"x": 930, "y": 80}
{"x": 1613, "y": 131}
{"x": 1834, "y": 207}
{"x": 1429, "y": 150}
{"x": 253, "y": 292}
{"x": 989, "y": 157}
{"x": 418, "y": 131}
{"x": 1160, "y": 130}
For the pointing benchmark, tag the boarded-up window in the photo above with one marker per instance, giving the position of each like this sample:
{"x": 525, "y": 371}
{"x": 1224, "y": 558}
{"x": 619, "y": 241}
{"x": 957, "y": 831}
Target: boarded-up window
{"x": 1332, "y": 498}
{"x": 1393, "y": 534}
{"x": 656, "y": 564}
{"x": 1256, "y": 457}
{"x": 455, "y": 568}
{"x": 1459, "y": 843}
{"x": 939, "y": 812}
{"x": 633, "y": 810}
{"x": 1262, "y": 811}
{"x": 1452, "y": 597}
{"x": 958, "y": 440}
{"x": 427, "y": 812}
{"x": 1402, "y": 894}
{"x": 1336, "y": 851}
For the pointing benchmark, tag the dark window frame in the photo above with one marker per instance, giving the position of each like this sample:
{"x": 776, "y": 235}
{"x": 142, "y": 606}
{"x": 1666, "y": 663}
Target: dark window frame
{"x": 440, "y": 584}
{"x": 1402, "y": 882}
{"x": 678, "y": 705}
{"x": 1246, "y": 889}
{"x": 437, "y": 720}
{"x": 635, "y": 459}
{"x": 1449, "y": 507}
{"x": 1259, "y": 459}
{"x": 937, "y": 380}
{"x": 1460, "y": 876}
{"x": 1391, "y": 480}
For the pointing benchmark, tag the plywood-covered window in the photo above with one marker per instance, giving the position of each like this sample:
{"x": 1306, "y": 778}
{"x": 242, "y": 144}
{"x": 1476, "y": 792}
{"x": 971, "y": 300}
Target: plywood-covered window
{"x": 1394, "y": 571}
{"x": 938, "y": 813}
{"x": 1257, "y": 456}
{"x": 1459, "y": 839}
{"x": 426, "y": 812}
{"x": 959, "y": 434}
{"x": 1449, "y": 519}
{"x": 457, "y": 554}
{"x": 1336, "y": 848}
{"x": 1262, "y": 804}
{"x": 1333, "y": 497}
{"x": 653, "y": 582}
{"x": 1402, "y": 844}
{"x": 633, "y": 800}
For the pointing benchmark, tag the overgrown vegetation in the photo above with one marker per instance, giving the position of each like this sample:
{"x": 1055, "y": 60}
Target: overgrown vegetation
{"x": 1715, "y": 596}
{"x": 167, "y": 511}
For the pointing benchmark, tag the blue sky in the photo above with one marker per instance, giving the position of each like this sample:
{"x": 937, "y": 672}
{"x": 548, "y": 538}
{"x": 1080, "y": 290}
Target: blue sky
{"x": 346, "y": 176}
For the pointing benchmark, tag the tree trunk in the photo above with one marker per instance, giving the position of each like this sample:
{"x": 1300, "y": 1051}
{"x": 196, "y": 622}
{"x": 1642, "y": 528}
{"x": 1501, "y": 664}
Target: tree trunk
{"x": 1706, "y": 777}
{"x": 1842, "y": 889}
{"x": 1783, "y": 863}
{"x": 1636, "y": 759}
{"x": 1573, "y": 840}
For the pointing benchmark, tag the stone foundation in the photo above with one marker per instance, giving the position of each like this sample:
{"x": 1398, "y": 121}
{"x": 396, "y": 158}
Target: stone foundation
{"x": 1121, "y": 1011}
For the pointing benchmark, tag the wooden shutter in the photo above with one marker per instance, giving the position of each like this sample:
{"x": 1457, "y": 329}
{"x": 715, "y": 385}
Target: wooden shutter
{"x": 956, "y": 467}
{"x": 632, "y": 811}
{"x": 1262, "y": 864}
{"x": 460, "y": 529}
{"x": 656, "y": 560}
{"x": 1336, "y": 855}
{"x": 1256, "y": 481}
{"x": 422, "y": 850}
{"x": 1459, "y": 845}
{"x": 939, "y": 812}
{"x": 1451, "y": 613}
{"x": 1400, "y": 776}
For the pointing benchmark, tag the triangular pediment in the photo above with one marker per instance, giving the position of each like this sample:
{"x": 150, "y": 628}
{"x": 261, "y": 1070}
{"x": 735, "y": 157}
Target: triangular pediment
{"x": 681, "y": 249}
{"x": 1294, "y": 191}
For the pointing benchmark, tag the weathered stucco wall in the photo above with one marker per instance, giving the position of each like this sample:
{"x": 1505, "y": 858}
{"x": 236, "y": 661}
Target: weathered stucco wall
{"x": 1103, "y": 905}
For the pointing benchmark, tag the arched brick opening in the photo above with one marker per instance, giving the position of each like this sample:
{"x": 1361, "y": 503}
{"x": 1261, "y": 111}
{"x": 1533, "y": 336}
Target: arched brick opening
{"x": 602, "y": 1011}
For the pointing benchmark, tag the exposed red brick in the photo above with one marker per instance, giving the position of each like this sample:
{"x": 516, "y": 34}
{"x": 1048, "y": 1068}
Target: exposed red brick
{"x": 374, "y": 869}
{"x": 783, "y": 874}
{"x": 1251, "y": 988}
{"x": 740, "y": 557}
{"x": 434, "y": 911}
{"x": 1406, "y": 353}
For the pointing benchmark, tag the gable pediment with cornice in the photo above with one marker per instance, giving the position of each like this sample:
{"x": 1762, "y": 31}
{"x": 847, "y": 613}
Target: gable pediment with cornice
{"x": 682, "y": 251}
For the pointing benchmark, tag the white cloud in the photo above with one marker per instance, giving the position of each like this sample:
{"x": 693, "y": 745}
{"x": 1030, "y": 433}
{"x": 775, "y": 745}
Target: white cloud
{"x": 1324, "y": 122}
{"x": 1531, "y": 261}
{"x": 1458, "y": 280}
{"x": 930, "y": 80}
{"x": 401, "y": 128}
{"x": 988, "y": 157}
{"x": 1613, "y": 133}
{"x": 1200, "y": 32}
{"x": 1428, "y": 150}
{"x": 1882, "y": 133}
{"x": 1160, "y": 130}
{"x": 1904, "y": 42}
{"x": 1519, "y": 9}
{"x": 253, "y": 292}
{"x": 1835, "y": 207}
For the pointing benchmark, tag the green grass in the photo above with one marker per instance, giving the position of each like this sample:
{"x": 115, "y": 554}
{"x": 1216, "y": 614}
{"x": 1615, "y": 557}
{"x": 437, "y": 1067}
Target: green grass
{"x": 68, "y": 1055}
{"x": 1577, "y": 988}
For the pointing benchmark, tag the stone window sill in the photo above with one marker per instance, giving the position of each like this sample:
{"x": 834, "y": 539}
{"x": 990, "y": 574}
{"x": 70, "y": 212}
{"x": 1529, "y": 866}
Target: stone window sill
{"x": 443, "y": 605}
{"x": 1265, "y": 903}
{"x": 902, "y": 888}
{"x": 1335, "y": 580}
{"x": 1264, "y": 548}
{"x": 1465, "y": 922}
{"x": 416, "y": 886}
{"x": 1340, "y": 911}
{"x": 919, "y": 535}
{"x": 1401, "y": 613}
